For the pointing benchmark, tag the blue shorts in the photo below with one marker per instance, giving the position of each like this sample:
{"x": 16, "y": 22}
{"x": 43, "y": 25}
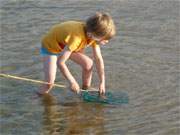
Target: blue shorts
{"x": 45, "y": 52}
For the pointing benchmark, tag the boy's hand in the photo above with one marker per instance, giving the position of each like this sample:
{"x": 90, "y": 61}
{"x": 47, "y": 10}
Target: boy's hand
{"x": 102, "y": 89}
{"x": 75, "y": 87}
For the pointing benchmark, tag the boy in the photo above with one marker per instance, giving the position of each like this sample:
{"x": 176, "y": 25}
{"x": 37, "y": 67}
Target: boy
{"x": 67, "y": 40}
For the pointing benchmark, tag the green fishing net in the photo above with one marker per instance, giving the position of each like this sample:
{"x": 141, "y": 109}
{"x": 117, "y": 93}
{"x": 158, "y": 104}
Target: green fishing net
{"x": 108, "y": 98}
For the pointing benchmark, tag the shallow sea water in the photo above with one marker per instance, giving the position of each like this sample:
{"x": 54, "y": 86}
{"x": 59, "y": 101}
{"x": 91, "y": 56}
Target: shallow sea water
{"x": 142, "y": 61}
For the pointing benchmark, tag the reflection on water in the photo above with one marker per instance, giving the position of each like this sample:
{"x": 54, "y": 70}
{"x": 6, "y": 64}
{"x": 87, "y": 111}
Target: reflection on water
{"x": 71, "y": 118}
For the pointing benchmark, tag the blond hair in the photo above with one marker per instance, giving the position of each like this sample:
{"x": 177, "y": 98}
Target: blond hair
{"x": 101, "y": 25}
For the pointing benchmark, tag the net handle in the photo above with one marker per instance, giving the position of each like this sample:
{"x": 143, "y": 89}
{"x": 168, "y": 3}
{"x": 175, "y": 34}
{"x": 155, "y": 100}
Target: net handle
{"x": 37, "y": 81}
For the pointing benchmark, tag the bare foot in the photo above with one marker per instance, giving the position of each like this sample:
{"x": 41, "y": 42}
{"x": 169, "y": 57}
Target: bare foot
{"x": 44, "y": 89}
{"x": 84, "y": 87}
{"x": 40, "y": 93}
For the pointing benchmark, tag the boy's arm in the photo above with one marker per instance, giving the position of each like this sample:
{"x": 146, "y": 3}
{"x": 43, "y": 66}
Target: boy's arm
{"x": 66, "y": 53}
{"x": 81, "y": 51}
{"x": 100, "y": 68}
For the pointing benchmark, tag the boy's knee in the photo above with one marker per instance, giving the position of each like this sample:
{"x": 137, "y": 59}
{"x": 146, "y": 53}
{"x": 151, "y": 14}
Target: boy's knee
{"x": 89, "y": 65}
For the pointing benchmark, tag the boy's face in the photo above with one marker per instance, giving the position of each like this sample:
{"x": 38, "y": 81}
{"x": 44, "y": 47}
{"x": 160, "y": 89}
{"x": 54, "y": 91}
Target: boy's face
{"x": 100, "y": 41}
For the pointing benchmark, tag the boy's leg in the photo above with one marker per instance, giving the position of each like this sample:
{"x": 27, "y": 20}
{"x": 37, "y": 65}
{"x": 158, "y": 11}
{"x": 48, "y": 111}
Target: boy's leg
{"x": 50, "y": 67}
{"x": 87, "y": 64}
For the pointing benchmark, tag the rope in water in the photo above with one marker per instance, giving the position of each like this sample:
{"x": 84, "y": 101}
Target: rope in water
{"x": 37, "y": 81}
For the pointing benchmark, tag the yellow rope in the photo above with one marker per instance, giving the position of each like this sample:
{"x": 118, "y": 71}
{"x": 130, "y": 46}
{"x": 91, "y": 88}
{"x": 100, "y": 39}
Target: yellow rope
{"x": 36, "y": 81}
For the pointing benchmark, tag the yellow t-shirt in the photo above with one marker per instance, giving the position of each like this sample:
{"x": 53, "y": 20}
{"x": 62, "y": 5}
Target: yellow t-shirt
{"x": 69, "y": 33}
